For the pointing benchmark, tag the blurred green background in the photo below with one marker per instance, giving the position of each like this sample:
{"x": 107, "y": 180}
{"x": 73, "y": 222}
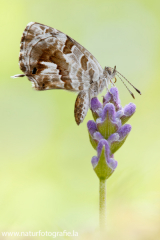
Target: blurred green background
{"x": 46, "y": 178}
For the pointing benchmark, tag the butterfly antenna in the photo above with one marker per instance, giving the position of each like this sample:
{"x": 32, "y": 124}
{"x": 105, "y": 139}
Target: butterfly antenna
{"x": 126, "y": 86}
{"x": 129, "y": 82}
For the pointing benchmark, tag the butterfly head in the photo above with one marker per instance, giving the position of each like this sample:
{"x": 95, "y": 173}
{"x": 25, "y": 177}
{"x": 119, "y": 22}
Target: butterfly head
{"x": 109, "y": 72}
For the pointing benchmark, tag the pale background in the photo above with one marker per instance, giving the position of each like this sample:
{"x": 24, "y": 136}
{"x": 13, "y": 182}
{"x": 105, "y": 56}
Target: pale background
{"x": 46, "y": 178}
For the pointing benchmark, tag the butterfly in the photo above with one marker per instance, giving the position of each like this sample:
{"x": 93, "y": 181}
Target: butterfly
{"x": 52, "y": 60}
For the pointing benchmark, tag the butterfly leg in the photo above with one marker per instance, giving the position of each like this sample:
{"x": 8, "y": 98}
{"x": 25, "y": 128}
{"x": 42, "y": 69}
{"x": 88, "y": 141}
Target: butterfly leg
{"x": 81, "y": 106}
{"x": 93, "y": 92}
{"x": 107, "y": 85}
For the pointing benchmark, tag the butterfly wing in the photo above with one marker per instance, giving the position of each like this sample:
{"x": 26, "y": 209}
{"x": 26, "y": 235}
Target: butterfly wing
{"x": 81, "y": 106}
{"x": 53, "y": 60}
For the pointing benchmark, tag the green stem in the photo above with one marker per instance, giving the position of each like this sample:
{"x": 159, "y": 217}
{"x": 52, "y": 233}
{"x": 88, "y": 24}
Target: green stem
{"x": 102, "y": 204}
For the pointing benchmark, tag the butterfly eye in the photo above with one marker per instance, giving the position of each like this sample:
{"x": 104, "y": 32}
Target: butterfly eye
{"x": 34, "y": 70}
{"x": 109, "y": 71}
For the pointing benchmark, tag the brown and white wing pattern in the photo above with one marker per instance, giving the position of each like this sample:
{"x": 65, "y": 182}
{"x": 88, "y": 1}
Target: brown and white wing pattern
{"x": 81, "y": 106}
{"x": 53, "y": 60}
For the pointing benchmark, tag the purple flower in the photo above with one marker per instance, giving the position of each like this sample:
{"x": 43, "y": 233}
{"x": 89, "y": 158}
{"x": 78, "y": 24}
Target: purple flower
{"x": 116, "y": 140}
{"x": 128, "y": 111}
{"x": 96, "y": 107}
{"x": 103, "y": 164}
{"x": 113, "y": 97}
{"x": 108, "y": 119}
{"x": 109, "y": 130}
